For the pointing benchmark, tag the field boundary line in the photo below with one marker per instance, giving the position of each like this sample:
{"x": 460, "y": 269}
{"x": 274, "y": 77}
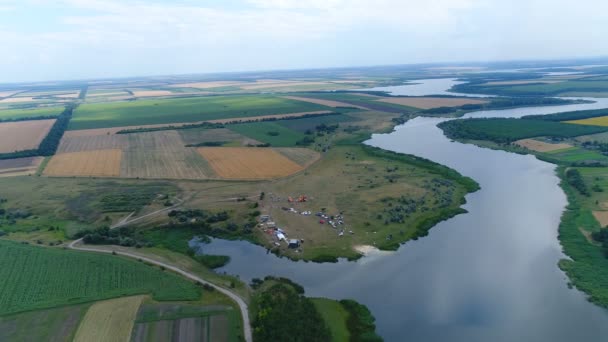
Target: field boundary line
{"x": 241, "y": 303}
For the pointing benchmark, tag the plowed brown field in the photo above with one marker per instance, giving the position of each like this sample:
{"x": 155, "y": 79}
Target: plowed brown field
{"x": 102, "y": 163}
{"x": 248, "y": 163}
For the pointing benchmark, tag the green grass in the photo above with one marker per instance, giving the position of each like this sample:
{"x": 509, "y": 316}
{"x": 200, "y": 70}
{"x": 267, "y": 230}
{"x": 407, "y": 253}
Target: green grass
{"x": 576, "y": 154}
{"x": 335, "y": 316}
{"x": 588, "y": 267}
{"x": 304, "y": 124}
{"x": 165, "y": 111}
{"x": 502, "y": 130}
{"x": 30, "y": 113}
{"x": 539, "y": 89}
{"x": 40, "y": 277}
{"x": 260, "y": 131}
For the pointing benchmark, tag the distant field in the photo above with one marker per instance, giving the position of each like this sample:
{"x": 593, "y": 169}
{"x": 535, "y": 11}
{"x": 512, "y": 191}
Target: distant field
{"x": 269, "y": 132}
{"x": 197, "y": 135}
{"x": 598, "y": 121}
{"x": 248, "y": 162}
{"x": 101, "y": 163}
{"x": 162, "y": 155}
{"x": 109, "y": 320}
{"x": 42, "y": 277}
{"x": 310, "y": 123}
{"x": 23, "y": 135}
{"x": 431, "y": 102}
{"x": 150, "y": 93}
{"x": 328, "y": 103}
{"x": 30, "y": 113}
{"x": 541, "y": 146}
{"x": 165, "y": 111}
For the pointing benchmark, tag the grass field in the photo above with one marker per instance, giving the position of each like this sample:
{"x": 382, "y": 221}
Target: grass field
{"x": 305, "y": 124}
{"x": 197, "y": 136}
{"x": 40, "y": 277}
{"x": 248, "y": 162}
{"x": 599, "y": 121}
{"x": 165, "y": 111}
{"x": 23, "y": 135}
{"x": 57, "y": 325}
{"x": 109, "y": 320}
{"x": 302, "y": 156}
{"x": 273, "y": 133}
{"x": 30, "y": 113}
{"x": 335, "y": 316}
{"x": 99, "y": 163}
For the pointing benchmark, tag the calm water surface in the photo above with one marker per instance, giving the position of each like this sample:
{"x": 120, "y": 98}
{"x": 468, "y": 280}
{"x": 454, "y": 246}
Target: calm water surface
{"x": 489, "y": 275}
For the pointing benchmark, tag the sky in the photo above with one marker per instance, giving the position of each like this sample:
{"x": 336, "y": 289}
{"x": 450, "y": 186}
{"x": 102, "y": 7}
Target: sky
{"x": 78, "y": 39}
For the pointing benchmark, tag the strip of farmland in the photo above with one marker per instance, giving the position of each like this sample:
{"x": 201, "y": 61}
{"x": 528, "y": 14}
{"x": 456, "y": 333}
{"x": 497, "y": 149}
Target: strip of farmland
{"x": 23, "y": 135}
{"x": 100, "y": 163}
{"x": 248, "y": 163}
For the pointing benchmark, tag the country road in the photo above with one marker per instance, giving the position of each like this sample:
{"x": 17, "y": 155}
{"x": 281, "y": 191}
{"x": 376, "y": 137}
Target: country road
{"x": 242, "y": 305}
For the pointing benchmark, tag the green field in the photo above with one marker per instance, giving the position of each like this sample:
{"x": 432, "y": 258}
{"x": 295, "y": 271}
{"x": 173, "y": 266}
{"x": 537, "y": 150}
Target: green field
{"x": 41, "y": 277}
{"x": 30, "y": 113}
{"x": 57, "y": 324}
{"x": 508, "y": 130}
{"x": 264, "y": 132}
{"x": 538, "y": 89}
{"x": 310, "y": 123}
{"x": 166, "y": 111}
{"x": 335, "y": 316}
{"x": 575, "y": 154}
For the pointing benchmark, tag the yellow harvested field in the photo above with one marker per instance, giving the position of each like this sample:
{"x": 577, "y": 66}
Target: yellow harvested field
{"x": 248, "y": 162}
{"x": 23, "y": 135}
{"x": 99, "y": 163}
{"x": 328, "y": 103}
{"x": 17, "y": 99}
{"x": 601, "y": 217}
{"x": 541, "y": 146}
{"x": 599, "y": 121}
{"x": 431, "y": 102}
{"x": 109, "y": 321}
{"x": 68, "y": 96}
{"x": 151, "y": 93}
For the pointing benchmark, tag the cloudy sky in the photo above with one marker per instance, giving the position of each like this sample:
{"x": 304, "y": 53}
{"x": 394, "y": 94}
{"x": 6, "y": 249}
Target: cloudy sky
{"x": 71, "y": 39}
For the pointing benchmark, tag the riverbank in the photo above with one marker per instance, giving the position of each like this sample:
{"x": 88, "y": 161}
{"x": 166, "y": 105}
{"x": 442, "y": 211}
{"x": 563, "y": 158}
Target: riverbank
{"x": 587, "y": 266}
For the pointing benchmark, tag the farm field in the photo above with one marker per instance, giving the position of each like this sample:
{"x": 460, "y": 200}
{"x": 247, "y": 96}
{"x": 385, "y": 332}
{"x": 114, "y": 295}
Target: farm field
{"x": 162, "y": 155}
{"x": 269, "y": 132}
{"x": 74, "y": 143}
{"x": 41, "y": 277}
{"x": 150, "y": 93}
{"x": 541, "y": 146}
{"x": 166, "y": 111}
{"x": 23, "y": 135}
{"x": 431, "y": 102}
{"x": 597, "y": 121}
{"x": 58, "y": 324}
{"x": 20, "y": 166}
{"x": 109, "y": 320}
{"x": 328, "y": 103}
{"x": 101, "y": 163}
{"x": 175, "y": 322}
{"x": 248, "y": 162}
{"x": 310, "y": 123}
{"x": 201, "y": 135}
{"x": 6, "y": 114}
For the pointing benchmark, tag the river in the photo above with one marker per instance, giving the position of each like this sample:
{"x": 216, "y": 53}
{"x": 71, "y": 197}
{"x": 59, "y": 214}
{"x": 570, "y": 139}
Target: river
{"x": 489, "y": 275}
